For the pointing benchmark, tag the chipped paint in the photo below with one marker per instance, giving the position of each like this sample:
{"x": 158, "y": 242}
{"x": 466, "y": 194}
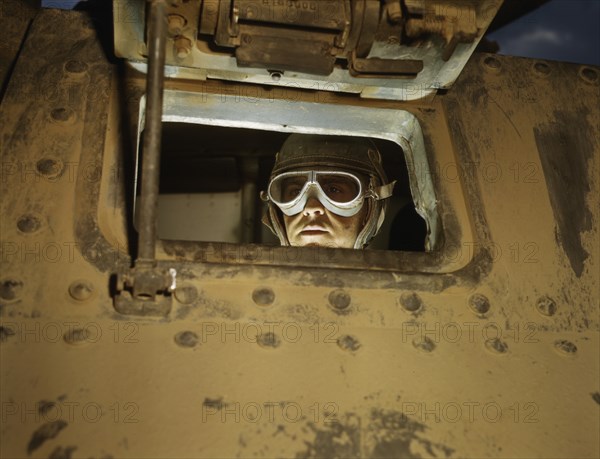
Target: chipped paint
{"x": 568, "y": 181}
{"x": 45, "y": 432}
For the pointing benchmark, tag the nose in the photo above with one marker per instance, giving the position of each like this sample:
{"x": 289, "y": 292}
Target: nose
{"x": 313, "y": 207}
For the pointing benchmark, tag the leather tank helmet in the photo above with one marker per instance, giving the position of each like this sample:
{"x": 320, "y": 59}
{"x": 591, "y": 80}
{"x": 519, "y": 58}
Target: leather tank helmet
{"x": 353, "y": 155}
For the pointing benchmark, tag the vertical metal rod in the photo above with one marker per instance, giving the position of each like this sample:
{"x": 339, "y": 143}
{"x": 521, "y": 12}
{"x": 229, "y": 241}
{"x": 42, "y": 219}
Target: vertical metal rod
{"x": 157, "y": 32}
{"x": 249, "y": 168}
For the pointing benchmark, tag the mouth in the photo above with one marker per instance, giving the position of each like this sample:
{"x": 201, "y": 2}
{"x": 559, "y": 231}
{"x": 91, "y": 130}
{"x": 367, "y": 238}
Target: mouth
{"x": 313, "y": 230}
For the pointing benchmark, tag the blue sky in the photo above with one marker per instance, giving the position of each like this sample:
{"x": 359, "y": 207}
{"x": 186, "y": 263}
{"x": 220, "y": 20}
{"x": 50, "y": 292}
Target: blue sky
{"x": 562, "y": 30}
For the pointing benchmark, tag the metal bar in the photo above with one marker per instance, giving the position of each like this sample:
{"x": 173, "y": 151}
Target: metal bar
{"x": 157, "y": 32}
{"x": 249, "y": 168}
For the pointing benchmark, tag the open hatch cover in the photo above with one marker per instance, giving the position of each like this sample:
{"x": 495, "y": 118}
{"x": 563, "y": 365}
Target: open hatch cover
{"x": 383, "y": 49}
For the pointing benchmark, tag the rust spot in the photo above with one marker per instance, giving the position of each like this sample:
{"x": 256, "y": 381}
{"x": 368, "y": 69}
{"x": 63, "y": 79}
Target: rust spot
{"x": 348, "y": 343}
{"x": 76, "y": 336}
{"x": 45, "y": 432}
{"x": 183, "y": 311}
{"x": 335, "y": 440}
{"x": 268, "y": 339}
{"x": 61, "y": 452}
{"x": 391, "y": 433}
{"x": 5, "y": 333}
{"x": 96, "y": 249}
{"x": 44, "y": 407}
{"x": 216, "y": 403}
{"x": 424, "y": 344}
{"x": 497, "y": 346}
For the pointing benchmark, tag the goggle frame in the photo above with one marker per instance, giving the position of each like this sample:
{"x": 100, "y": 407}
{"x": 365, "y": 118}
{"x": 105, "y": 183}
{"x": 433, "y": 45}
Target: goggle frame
{"x": 312, "y": 188}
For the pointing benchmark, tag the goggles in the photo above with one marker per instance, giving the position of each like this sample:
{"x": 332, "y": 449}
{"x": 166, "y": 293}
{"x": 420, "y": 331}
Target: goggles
{"x": 340, "y": 192}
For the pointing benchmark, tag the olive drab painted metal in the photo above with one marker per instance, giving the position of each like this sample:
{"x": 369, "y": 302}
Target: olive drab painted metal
{"x": 487, "y": 346}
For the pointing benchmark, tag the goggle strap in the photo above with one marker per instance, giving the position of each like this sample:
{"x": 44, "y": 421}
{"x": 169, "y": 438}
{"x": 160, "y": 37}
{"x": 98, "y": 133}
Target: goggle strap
{"x": 382, "y": 192}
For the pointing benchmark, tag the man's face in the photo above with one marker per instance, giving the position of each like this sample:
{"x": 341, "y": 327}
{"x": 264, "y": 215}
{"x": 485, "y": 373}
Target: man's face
{"x": 317, "y": 226}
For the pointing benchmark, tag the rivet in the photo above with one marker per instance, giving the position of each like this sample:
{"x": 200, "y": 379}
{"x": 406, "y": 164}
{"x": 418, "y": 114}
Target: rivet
{"x": 565, "y": 347}
{"x": 339, "y": 300}
{"x": 176, "y": 23}
{"x": 496, "y": 345}
{"x": 492, "y": 63}
{"x": 589, "y": 75}
{"x": 186, "y": 294}
{"x": 348, "y": 343}
{"x": 546, "y": 306}
{"x": 183, "y": 47}
{"x": 186, "y": 339}
{"x": 10, "y": 289}
{"x": 268, "y": 339}
{"x": 596, "y": 397}
{"x": 424, "y": 344}
{"x": 29, "y": 223}
{"x": 62, "y": 114}
{"x": 50, "y": 168}
{"x": 411, "y": 302}
{"x": 263, "y": 296}
{"x": 76, "y": 336}
{"x": 479, "y": 303}
{"x": 76, "y": 66}
{"x": 81, "y": 290}
{"x": 275, "y": 75}
{"x": 247, "y": 39}
{"x": 542, "y": 68}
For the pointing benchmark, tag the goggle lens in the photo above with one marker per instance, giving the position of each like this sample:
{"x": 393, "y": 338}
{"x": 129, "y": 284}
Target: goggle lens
{"x": 339, "y": 188}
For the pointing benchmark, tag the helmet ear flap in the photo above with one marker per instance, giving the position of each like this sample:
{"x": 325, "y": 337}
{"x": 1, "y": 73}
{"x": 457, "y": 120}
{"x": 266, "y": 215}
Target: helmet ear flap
{"x": 272, "y": 220}
{"x": 374, "y": 218}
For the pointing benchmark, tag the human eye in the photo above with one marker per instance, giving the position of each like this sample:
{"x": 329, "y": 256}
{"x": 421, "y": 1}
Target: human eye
{"x": 339, "y": 189}
{"x": 334, "y": 188}
{"x": 292, "y": 191}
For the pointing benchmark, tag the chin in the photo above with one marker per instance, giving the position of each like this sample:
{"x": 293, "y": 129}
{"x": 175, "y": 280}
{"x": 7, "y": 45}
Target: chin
{"x": 314, "y": 241}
